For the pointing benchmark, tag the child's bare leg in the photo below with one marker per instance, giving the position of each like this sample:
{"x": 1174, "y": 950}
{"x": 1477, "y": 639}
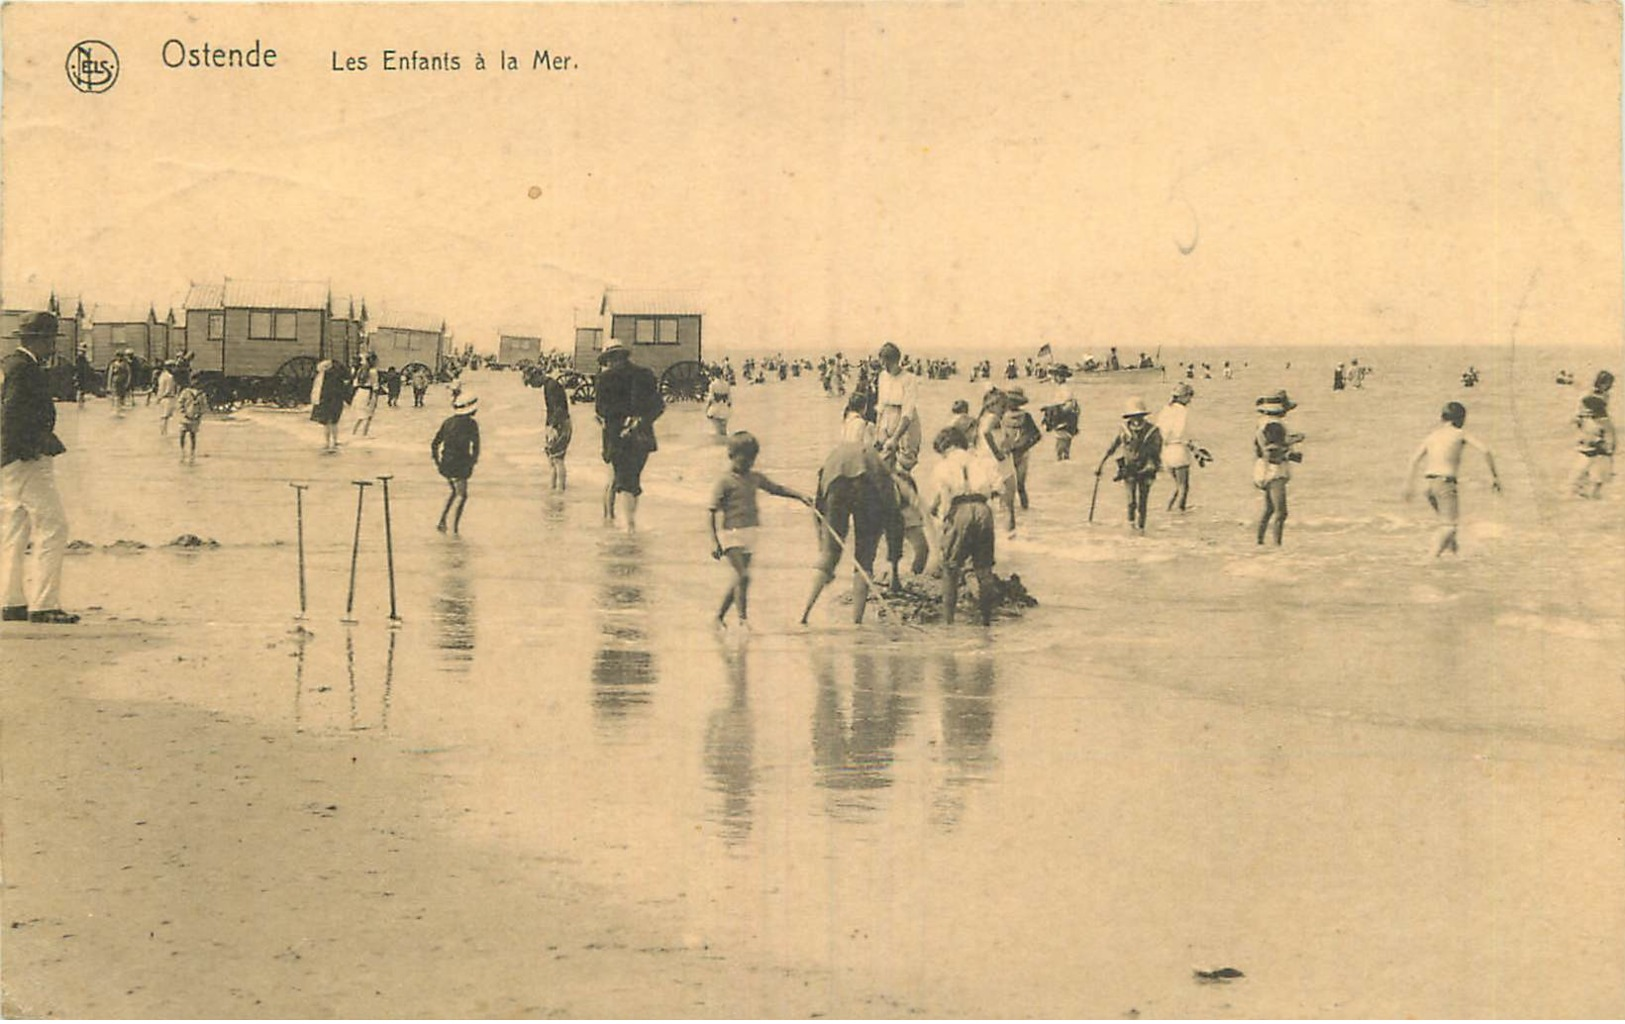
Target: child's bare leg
{"x": 821, "y": 580}
{"x": 445, "y": 510}
{"x": 1264, "y": 520}
{"x": 950, "y": 593}
{"x": 984, "y": 594}
{"x": 609, "y": 501}
{"x": 631, "y": 513}
{"x": 1279, "y": 488}
{"x": 915, "y": 536}
{"x": 1182, "y": 487}
{"x": 461, "y": 488}
{"x": 860, "y": 595}
{"x": 740, "y": 593}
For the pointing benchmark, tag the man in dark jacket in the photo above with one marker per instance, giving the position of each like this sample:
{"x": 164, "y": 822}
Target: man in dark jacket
{"x": 30, "y": 508}
{"x": 628, "y": 404}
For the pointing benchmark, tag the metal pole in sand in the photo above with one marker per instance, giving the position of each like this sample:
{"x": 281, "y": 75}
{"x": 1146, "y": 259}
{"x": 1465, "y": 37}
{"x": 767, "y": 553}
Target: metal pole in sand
{"x": 299, "y": 517}
{"x": 355, "y": 548}
{"x": 389, "y": 553}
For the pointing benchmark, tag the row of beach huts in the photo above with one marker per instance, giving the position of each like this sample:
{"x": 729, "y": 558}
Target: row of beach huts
{"x": 238, "y": 328}
{"x": 257, "y": 340}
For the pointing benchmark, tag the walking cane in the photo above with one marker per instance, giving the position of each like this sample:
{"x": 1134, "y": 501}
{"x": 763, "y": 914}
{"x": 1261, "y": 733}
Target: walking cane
{"x": 355, "y": 548}
{"x": 299, "y": 515}
{"x": 1093, "y": 496}
{"x": 389, "y": 553}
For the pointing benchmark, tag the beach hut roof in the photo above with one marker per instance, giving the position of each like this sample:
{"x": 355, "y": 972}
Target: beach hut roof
{"x": 205, "y": 296}
{"x": 35, "y": 300}
{"x": 108, "y": 314}
{"x": 650, "y": 302}
{"x": 276, "y": 294}
{"x": 403, "y": 320}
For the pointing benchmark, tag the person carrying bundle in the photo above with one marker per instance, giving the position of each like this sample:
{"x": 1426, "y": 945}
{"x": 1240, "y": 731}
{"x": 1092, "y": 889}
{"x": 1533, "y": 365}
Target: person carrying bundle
{"x": 1141, "y": 445}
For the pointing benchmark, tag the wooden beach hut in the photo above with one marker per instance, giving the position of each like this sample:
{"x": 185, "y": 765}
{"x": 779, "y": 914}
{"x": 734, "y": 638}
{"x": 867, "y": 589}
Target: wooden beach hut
{"x": 662, "y": 329}
{"x": 346, "y": 329}
{"x": 408, "y": 339}
{"x": 514, "y": 347}
{"x": 68, "y": 309}
{"x": 252, "y": 329}
{"x": 113, "y": 328}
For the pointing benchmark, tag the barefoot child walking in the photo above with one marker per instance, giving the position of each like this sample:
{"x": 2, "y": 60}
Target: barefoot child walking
{"x": 734, "y": 500}
{"x": 455, "y": 450}
{"x": 192, "y": 405}
{"x": 1440, "y": 459}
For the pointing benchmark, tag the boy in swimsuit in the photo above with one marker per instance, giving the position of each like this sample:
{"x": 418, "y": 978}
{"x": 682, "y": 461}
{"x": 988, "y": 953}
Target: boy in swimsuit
{"x": 1440, "y": 459}
{"x": 1594, "y": 448}
{"x": 734, "y": 498}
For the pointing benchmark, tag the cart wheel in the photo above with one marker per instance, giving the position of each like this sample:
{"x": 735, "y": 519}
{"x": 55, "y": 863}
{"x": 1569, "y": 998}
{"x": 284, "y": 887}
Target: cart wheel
{"x": 684, "y": 382}
{"x": 584, "y": 392}
{"x": 292, "y": 383}
{"x": 219, "y": 391}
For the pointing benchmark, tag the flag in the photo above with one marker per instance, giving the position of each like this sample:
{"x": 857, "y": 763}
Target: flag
{"x": 1044, "y": 351}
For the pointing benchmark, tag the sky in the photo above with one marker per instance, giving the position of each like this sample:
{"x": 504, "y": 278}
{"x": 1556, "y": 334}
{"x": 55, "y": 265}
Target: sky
{"x": 951, "y": 177}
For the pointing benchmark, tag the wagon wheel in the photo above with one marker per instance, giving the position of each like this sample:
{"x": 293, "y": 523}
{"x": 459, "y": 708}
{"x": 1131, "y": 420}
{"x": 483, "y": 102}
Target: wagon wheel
{"x": 684, "y": 382}
{"x": 291, "y": 385}
{"x": 584, "y": 392}
{"x": 219, "y": 391}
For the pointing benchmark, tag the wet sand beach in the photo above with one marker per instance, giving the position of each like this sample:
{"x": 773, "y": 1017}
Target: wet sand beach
{"x": 1375, "y": 786}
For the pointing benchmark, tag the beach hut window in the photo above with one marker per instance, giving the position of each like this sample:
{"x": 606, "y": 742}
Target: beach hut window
{"x": 666, "y": 331}
{"x": 217, "y": 326}
{"x": 268, "y": 326}
{"x": 645, "y": 332}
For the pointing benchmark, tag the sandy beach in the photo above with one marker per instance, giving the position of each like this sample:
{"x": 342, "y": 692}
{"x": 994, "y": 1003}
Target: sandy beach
{"x": 555, "y": 792}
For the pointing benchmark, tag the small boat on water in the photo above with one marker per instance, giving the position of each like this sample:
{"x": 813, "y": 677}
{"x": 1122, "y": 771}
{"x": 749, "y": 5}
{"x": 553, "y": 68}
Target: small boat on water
{"x": 1127, "y": 374}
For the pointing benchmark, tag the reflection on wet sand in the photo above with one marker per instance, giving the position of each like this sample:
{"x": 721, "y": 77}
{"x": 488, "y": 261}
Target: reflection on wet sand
{"x": 454, "y": 609}
{"x": 356, "y": 676}
{"x": 730, "y": 749}
{"x": 623, "y": 668}
{"x": 853, "y": 752}
{"x": 967, "y": 731}
{"x": 301, "y": 638}
{"x": 389, "y": 682}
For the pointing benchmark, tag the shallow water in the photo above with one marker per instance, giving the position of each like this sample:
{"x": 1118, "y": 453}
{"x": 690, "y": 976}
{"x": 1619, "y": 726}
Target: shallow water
{"x": 1193, "y": 752}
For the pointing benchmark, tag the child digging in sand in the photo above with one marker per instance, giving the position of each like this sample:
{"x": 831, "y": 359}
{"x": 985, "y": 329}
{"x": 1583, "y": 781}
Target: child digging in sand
{"x": 734, "y": 499}
{"x": 961, "y": 487}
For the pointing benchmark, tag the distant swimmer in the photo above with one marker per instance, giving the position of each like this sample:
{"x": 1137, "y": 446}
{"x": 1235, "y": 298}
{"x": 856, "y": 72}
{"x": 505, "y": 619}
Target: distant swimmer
{"x": 1141, "y": 445}
{"x": 733, "y": 499}
{"x": 1439, "y": 457}
{"x": 1594, "y": 448}
{"x": 1275, "y": 450}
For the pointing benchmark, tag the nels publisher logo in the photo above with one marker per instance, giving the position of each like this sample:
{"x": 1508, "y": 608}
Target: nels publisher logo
{"x": 92, "y": 66}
